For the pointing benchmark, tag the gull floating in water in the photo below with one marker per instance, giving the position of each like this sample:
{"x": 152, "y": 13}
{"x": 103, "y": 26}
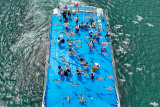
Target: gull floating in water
{"x": 130, "y": 73}
{"x": 123, "y": 80}
{"x": 121, "y": 50}
{"x": 140, "y": 69}
{"x": 121, "y": 33}
{"x": 139, "y": 18}
{"x": 154, "y": 104}
{"x": 127, "y": 35}
{"x": 150, "y": 24}
{"x": 135, "y": 22}
{"x": 118, "y": 26}
{"x": 128, "y": 65}
{"x": 125, "y": 42}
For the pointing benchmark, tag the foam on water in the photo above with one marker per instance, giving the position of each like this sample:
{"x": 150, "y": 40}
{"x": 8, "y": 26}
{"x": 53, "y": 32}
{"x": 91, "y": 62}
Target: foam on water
{"x": 25, "y": 40}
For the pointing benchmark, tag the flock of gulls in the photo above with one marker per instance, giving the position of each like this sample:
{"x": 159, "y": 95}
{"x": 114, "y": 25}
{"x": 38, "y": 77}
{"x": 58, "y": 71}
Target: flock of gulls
{"x": 72, "y": 46}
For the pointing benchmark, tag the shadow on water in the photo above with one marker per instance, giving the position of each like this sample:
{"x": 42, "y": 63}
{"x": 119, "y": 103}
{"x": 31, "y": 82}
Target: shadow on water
{"x": 62, "y": 79}
{"x": 80, "y": 78}
{"x": 48, "y": 87}
{"x": 95, "y": 46}
{"x": 75, "y": 94}
{"x": 90, "y": 52}
{"x": 58, "y": 87}
{"x": 99, "y": 96}
{"x": 76, "y": 50}
{"x": 75, "y": 64}
{"x": 105, "y": 70}
{"x": 60, "y": 63}
{"x": 91, "y": 58}
{"x": 83, "y": 104}
{"x": 105, "y": 57}
{"x": 88, "y": 89}
{"x": 93, "y": 79}
{"x": 82, "y": 55}
{"x": 68, "y": 79}
{"x": 87, "y": 70}
{"x": 62, "y": 47}
{"x": 86, "y": 78}
{"x": 84, "y": 82}
{"x": 110, "y": 94}
{"x": 102, "y": 61}
{"x": 73, "y": 57}
{"x": 97, "y": 71}
{"x": 70, "y": 75}
{"x": 78, "y": 34}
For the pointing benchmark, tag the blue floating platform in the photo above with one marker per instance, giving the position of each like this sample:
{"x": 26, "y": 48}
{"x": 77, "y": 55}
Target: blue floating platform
{"x": 93, "y": 89}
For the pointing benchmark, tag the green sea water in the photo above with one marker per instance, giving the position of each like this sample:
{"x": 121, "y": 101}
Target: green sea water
{"x": 24, "y": 33}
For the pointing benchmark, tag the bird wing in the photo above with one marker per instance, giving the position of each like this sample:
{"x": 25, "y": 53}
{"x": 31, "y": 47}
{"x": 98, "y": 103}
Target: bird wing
{"x": 92, "y": 62}
{"x": 109, "y": 77}
{"x": 75, "y": 84}
{"x": 94, "y": 50}
{"x": 59, "y": 81}
{"x": 62, "y": 57}
{"x": 55, "y": 80}
{"x": 109, "y": 87}
{"x": 71, "y": 82}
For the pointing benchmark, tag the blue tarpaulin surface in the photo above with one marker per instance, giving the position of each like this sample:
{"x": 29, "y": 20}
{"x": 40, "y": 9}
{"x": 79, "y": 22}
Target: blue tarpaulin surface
{"x": 93, "y": 89}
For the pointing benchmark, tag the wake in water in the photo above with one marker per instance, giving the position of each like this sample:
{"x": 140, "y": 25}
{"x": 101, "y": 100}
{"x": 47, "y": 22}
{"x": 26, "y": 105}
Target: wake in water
{"x": 71, "y": 3}
{"x": 25, "y": 40}
{"x": 40, "y": 22}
